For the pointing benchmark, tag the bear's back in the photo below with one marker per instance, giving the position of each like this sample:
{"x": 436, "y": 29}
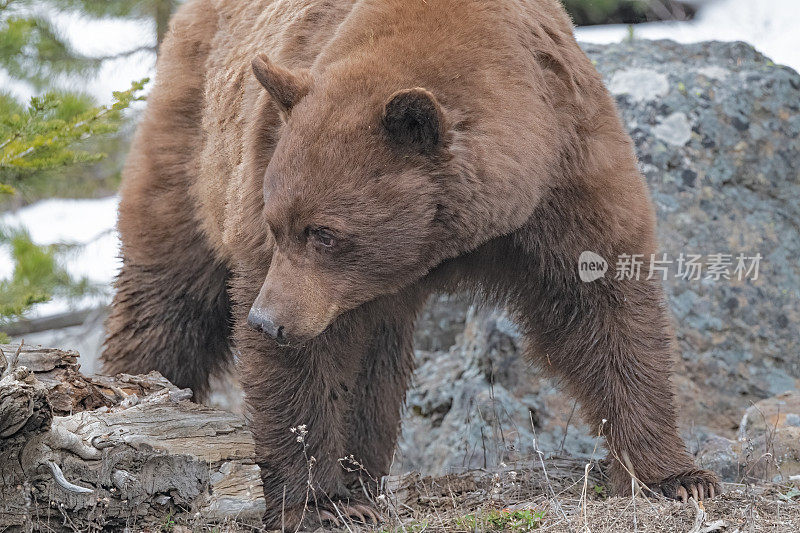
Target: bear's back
{"x": 524, "y": 43}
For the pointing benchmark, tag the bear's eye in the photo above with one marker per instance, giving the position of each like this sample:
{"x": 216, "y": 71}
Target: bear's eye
{"x": 323, "y": 236}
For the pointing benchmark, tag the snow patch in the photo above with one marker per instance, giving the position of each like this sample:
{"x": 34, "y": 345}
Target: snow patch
{"x": 768, "y": 25}
{"x": 60, "y": 220}
{"x": 91, "y": 224}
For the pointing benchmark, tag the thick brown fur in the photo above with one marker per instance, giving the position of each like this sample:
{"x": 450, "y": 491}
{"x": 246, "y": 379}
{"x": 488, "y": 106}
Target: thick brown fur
{"x": 319, "y": 168}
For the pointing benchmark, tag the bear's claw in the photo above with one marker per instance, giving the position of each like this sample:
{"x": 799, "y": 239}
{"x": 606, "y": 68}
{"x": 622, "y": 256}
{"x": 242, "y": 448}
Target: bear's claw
{"x": 330, "y": 515}
{"x": 327, "y": 516}
{"x": 370, "y": 514}
{"x": 341, "y": 512}
{"x": 698, "y": 484}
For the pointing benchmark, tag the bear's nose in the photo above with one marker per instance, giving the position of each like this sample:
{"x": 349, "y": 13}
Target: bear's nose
{"x": 264, "y": 323}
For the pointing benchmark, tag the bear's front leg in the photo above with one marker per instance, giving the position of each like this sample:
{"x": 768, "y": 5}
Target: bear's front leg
{"x": 299, "y": 399}
{"x": 609, "y": 341}
{"x": 381, "y": 388}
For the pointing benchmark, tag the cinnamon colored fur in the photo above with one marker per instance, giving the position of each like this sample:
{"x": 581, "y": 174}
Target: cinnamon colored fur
{"x": 383, "y": 150}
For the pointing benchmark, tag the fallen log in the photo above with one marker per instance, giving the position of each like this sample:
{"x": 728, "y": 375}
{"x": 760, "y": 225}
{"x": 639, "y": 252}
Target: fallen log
{"x": 130, "y": 452}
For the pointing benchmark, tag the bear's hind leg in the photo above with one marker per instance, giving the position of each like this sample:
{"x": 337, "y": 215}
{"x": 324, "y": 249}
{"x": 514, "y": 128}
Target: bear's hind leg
{"x": 170, "y": 312}
{"x": 170, "y": 317}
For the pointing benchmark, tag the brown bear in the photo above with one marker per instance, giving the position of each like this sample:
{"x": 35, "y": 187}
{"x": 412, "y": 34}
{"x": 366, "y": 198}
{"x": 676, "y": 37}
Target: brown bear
{"x": 308, "y": 172}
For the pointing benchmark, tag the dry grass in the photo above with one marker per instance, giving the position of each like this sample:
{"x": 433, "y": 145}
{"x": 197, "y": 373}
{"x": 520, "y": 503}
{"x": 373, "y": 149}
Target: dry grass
{"x": 559, "y": 494}
{"x": 567, "y": 499}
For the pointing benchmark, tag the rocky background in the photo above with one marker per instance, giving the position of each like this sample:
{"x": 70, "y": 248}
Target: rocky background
{"x": 716, "y": 128}
{"x": 717, "y": 131}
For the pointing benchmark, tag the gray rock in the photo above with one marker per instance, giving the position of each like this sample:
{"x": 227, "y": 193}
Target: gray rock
{"x": 766, "y": 448}
{"x": 771, "y": 414}
{"x": 441, "y": 322}
{"x": 675, "y": 129}
{"x": 717, "y": 130}
{"x": 725, "y": 457}
{"x": 480, "y": 404}
{"x": 641, "y": 84}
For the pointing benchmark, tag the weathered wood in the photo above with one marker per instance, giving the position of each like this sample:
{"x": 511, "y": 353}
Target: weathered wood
{"x": 129, "y": 451}
{"x": 68, "y": 390}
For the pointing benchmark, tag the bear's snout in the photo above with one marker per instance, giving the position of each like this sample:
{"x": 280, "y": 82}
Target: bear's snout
{"x": 291, "y": 307}
{"x": 263, "y": 322}
{"x": 286, "y": 330}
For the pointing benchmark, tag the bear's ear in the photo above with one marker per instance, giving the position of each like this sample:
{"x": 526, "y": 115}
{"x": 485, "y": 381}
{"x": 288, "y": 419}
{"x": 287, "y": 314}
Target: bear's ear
{"x": 284, "y": 86}
{"x": 414, "y": 118}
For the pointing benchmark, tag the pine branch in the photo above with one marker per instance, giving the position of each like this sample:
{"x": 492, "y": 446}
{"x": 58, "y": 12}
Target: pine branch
{"x": 33, "y": 50}
{"x": 39, "y": 139}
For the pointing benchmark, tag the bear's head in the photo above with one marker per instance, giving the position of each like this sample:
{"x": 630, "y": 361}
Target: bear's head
{"x": 352, "y": 196}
